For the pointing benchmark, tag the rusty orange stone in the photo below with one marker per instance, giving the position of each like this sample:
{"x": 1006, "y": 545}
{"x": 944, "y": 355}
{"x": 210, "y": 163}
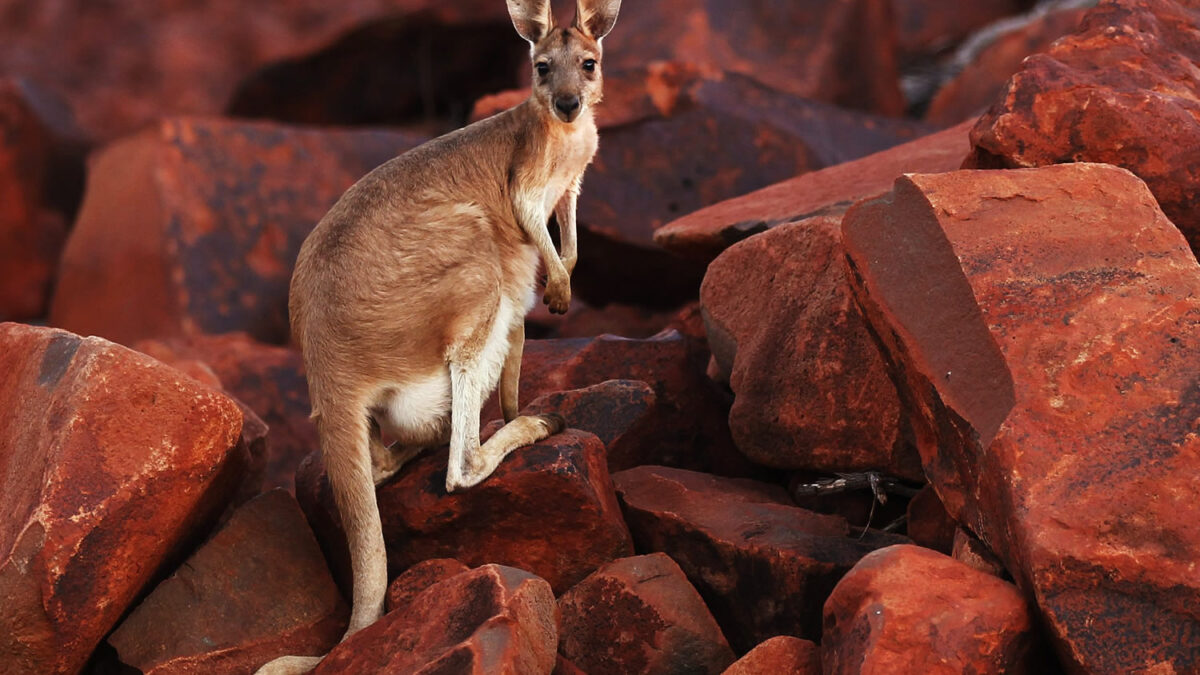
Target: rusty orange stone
{"x": 257, "y": 590}
{"x": 1123, "y": 90}
{"x": 1043, "y": 326}
{"x": 493, "y": 619}
{"x": 907, "y": 609}
{"x": 113, "y": 464}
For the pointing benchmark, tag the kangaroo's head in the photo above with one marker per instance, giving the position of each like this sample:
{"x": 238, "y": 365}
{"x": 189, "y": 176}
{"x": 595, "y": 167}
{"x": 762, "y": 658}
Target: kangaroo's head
{"x": 566, "y": 61}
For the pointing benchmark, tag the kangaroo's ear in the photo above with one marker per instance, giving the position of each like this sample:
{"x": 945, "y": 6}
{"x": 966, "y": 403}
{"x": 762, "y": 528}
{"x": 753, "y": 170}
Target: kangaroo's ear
{"x": 531, "y": 18}
{"x": 596, "y": 17}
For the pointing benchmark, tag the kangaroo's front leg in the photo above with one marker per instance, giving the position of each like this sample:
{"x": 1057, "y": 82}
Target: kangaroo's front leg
{"x": 533, "y": 221}
{"x": 564, "y": 212}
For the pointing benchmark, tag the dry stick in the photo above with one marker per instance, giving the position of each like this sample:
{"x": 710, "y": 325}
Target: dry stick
{"x": 878, "y": 483}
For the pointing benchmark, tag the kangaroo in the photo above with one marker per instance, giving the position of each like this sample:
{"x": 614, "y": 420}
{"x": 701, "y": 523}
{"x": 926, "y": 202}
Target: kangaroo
{"x": 409, "y": 297}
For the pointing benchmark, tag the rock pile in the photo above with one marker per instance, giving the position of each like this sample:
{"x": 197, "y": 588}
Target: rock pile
{"x": 846, "y": 391}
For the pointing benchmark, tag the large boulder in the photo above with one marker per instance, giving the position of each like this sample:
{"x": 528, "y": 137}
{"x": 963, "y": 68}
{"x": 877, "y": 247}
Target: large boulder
{"x": 493, "y": 619}
{"x": 707, "y": 232}
{"x": 1042, "y": 326}
{"x": 549, "y": 508}
{"x": 113, "y": 464}
{"x": 257, "y": 590}
{"x": 810, "y": 388}
{"x": 906, "y": 609}
{"x": 928, "y": 28}
{"x": 269, "y": 379}
{"x": 837, "y": 52}
{"x": 640, "y": 615}
{"x": 193, "y": 225}
{"x": 184, "y": 57}
{"x": 763, "y": 566}
{"x": 1138, "y": 109}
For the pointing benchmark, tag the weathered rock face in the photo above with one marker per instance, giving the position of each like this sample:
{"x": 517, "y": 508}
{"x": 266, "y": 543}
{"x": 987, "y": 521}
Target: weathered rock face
{"x": 906, "y": 609}
{"x": 837, "y": 52}
{"x": 549, "y": 508}
{"x": 192, "y": 226}
{"x": 31, "y": 235}
{"x": 828, "y": 192}
{"x": 414, "y": 580}
{"x": 1052, "y": 386}
{"x": 927, "y": 522}
{"x": 926, "y": 28}
{"x": 677, "y": 138}
{"x": 1140, "y": 110}
{"x": 619, "y": 412}
{"x": 810, "y": 388}
{"x": 640, "y": 615}
{"x": 763, "y": 566}
{"x": 257, "y": 590}
{"x": 983, "y": 81}
{"x": 183, "y": 58}
{"x": 688, "y": 424}
{"x": 112, "y": 463}
{"x": 267, "y": 378}
{"x": 493, "y": 619}
{"x": 782, "y": 654}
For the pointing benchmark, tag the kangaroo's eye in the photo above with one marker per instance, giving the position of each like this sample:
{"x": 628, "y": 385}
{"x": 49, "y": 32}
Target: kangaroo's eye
{"x": 589, "y": 65}
{"x": 542, "y": 68}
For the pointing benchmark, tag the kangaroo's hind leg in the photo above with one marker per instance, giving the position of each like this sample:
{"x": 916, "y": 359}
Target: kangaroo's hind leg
{"x": 386, "y": 460}
{"x": 510, "y": 376}
{"x": 470, "y": 462}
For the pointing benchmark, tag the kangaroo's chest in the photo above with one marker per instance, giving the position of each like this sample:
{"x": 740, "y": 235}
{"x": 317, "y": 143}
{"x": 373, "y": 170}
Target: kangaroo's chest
{"x": 565, "y": 161}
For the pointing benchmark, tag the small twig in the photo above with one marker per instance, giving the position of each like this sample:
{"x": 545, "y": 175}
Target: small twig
{"x": 879, "y": 484}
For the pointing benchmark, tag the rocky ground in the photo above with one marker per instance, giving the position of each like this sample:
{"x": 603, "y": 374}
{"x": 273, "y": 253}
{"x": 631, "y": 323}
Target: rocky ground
{"x": 885, "y": 356}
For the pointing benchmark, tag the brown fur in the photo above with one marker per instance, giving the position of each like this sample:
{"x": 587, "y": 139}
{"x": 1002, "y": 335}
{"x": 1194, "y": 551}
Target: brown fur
{"x": 417, "y": 281}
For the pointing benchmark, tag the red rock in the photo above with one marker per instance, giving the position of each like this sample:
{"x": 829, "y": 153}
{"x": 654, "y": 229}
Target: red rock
{"x": 549, "y": 508}
{"x": 493, "y": 619}
{"x": 184, "y": 57}
{"x": 828, "y": 192}
{"x": 640, "y": 615}
{"x": 906, "y": 609}
{"x": 810, "y": 48}
{"x": 1124, "y": 90}
{"x": 928, "y": 523}
{"x": 619, "y": 412}
{"x": 968, "y": 550}
{"x": 465, "y": 50}
{"x": 688, "y": 424}
{"x": 414, "y": 580}
{"x": 268, "y": 379}
{"x": 810, "y": 388}
{"x": 257, "y": 590}
{"x": 982, "y": 81}
{"x": 782, "y": 654}
{"x": 1052, "y": 388}
{"x": 192, "y": 226}
{"x": 926, "y": 28}
{"x": 112, "y": 463}
{"x": 677, "y": 138}
{"x": 763, "y": 566}
{"x": 31, "y": 235}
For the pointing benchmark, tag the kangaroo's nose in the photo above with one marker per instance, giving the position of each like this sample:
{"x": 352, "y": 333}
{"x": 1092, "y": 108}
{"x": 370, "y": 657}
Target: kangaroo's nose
{"x": 567, "y": 104}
